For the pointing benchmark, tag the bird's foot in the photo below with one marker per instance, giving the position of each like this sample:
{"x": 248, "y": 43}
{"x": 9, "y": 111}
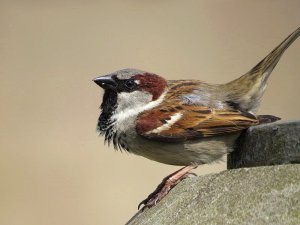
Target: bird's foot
{"x": 165, "y": 186}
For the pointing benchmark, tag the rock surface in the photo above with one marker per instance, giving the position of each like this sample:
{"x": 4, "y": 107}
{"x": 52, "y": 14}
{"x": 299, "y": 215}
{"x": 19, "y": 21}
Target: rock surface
{"x": 259, "y": 196}
{"x": 267, "y": 144}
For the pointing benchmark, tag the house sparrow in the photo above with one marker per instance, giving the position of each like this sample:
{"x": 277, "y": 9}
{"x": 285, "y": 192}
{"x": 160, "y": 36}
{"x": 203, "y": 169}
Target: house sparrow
{"x": 181, "y": 122}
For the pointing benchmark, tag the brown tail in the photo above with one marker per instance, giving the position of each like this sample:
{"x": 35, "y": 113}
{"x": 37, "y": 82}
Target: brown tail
{"x": 246, "y": 91}
{"x": 267, "y": 118}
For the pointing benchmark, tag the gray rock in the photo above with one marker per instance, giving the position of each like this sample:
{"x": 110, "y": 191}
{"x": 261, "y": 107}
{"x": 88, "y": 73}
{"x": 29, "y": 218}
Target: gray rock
{"x": 259, "y": 196}
{"x": 267, "y": 144}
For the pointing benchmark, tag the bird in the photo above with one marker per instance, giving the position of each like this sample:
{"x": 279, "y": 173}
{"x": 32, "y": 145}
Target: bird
{"x": 182, "y": 122}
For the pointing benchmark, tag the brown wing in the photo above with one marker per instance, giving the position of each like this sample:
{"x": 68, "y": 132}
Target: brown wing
{"x": 190, "y": 122}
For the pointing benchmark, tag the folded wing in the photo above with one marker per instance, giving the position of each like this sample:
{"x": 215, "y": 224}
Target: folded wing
{"x": 190, "y": 122}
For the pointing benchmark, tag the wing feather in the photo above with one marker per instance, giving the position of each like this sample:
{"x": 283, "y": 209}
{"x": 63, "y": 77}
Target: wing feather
{"x": 192, "y": 123}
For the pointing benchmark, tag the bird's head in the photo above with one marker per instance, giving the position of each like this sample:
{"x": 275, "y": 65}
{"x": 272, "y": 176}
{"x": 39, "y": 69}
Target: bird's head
{"x": 128, "y": 92}
{"x": 126, "y": 81}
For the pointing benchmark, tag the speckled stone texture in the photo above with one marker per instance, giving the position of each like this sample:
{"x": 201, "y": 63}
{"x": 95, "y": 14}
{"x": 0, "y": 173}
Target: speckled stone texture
{"x": 260, "y": 196}
{"x": 267, "y": 144}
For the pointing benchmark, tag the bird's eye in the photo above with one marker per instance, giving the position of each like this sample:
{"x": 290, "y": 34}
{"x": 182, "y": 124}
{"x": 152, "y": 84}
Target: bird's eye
{"x": 130, "y": 84}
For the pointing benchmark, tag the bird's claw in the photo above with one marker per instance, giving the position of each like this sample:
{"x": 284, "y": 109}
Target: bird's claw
{"x": 161, "y": 191}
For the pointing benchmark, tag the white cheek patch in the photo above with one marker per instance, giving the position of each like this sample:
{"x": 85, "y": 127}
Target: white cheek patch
{"x": 167, "y": 125}
{"x": 131, "y": 104}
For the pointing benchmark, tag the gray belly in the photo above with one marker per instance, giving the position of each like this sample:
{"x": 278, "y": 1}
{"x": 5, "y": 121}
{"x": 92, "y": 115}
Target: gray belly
{"x": 197, "y": 152}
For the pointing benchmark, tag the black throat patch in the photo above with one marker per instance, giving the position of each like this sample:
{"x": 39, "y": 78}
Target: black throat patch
{"x": 105, "y": 124}
{"x": 108, "y": 106}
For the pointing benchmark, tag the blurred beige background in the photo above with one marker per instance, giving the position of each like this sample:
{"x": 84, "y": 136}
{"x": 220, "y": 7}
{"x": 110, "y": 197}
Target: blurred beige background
{"x": 54, "y": 168}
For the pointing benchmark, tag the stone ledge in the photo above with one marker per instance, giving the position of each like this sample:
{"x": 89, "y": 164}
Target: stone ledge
{"x": 262, "y": 195}
{"x": 268, "y": 144}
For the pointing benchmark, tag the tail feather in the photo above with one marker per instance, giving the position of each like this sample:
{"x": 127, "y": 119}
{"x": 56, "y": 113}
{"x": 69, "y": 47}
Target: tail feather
{"x": 265, "y": 66}
{"x": 246, "y": 91}
{"x": 267, "y": 119}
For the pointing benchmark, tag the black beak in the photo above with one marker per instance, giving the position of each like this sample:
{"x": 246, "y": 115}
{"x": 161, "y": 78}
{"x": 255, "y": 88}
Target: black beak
{"x": 106, "y": 82}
